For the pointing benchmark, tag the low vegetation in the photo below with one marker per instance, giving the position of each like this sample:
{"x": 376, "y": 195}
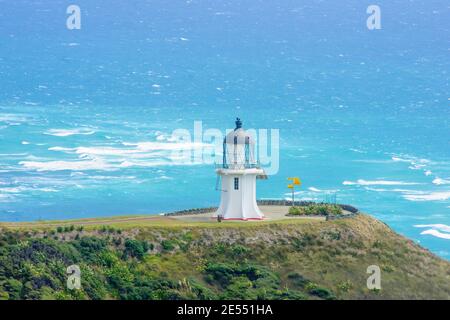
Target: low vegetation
{"x": 317, "y": 209}
{"x": 289, "y": 260}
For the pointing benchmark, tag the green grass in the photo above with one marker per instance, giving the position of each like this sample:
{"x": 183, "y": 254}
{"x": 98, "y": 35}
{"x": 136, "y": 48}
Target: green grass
{"x": 166, "y": 258}
{"x": 133, "y": 222}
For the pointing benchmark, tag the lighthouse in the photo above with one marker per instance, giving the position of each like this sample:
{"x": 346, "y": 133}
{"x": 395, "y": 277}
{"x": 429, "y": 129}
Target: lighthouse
{"x": 238, "y": 173}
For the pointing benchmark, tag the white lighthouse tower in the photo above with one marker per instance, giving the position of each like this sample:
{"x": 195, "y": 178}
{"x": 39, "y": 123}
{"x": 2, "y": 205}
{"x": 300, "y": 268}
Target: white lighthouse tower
{"x": 239, "y": 171}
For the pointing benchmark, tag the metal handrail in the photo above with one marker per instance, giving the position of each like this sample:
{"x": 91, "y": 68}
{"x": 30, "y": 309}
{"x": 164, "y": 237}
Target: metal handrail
{"x": 237, "y": 165}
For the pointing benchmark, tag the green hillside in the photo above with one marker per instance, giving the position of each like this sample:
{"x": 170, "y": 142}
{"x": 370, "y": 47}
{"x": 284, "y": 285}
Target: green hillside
{"x": 166, "y": 259}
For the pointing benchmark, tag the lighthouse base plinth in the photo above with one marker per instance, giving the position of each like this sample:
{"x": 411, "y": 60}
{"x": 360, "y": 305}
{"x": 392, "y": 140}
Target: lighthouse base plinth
{"x": 238, "y": 194}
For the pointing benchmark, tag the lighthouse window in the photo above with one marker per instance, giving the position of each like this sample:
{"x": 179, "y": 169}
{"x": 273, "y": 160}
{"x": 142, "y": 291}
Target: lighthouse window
{"x": 236, "y": 183}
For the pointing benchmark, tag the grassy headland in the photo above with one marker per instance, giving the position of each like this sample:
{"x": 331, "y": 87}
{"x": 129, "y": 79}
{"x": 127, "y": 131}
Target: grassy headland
{"x": 165, "y": 258}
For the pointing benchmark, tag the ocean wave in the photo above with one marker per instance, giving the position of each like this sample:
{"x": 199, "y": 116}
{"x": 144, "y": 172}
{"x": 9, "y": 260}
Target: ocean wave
{"x": 301, "y": 199}
{"x": 410, "y": 159}
{"x": 363, "y": 182}
{"x": 97, "y": 177}
{"x": 95, "y": 164}
{"x": 440, "y": 227}
{"x": 439, "y": 181}
{"x": 430, "y": 196}
{"x": 11, "y": 190}
{"x": 10, "y": 118}
{"x": 69, "y": 132}
{"x": 437, "y": 230}
{"x": 164, "y": 177}
{"x": 135, "y": 150}
{"x": 168, "y": 146}
{"x": 357, "y": 150}
{"x": 406, "y": 191}
{"x": 103, "y": 165}
{"x": 128, "y": 154}
{"x": 313, "y": 189}
{"x": 21, "y": 189}
{"x": 436, "y": 233}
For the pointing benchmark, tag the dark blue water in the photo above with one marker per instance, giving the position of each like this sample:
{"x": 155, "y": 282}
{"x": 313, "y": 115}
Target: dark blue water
{"x": 86, "y": 115}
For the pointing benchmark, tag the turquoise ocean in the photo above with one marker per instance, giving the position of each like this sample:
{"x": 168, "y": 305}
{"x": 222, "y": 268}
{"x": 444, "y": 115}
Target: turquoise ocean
{"x": 86, "y": 116}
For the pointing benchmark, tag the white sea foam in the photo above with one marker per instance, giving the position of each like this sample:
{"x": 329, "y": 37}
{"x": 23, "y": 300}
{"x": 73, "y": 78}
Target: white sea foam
{"x": 163, "y": 177}
{"x": 47, "y": 190}
{"x": 357, "y": 150}
{"x": 295, "y": 193}
{"x": 416, "y": 166}
{"x": 61, "y": 149}
{"x": 112, "y": 177}
{"x": 302, "y": 199}
{"x": 398, "y": 159}
{"x": 100, "y": 164}
{"x": 151, "y": 145}
{"x": 12, "y": 119}
{"x": 415, "y": 163}
{"x": 21, "y": 189}
{"x": 313, "y": 189}
{"x": 410, "y": 159}
{"x": 149, "y": 148}
{"x": 437, "y": 230}
{"x": 12, "y": 190}
{"x": 363, "y": 182}
{"x": 431, "y": 196}
{"x": 437, "y": 234}
{"x": 439, "y": 181}
{"x": 69, "y": 132}
{"x": 406, "y": 191}
{"x": 372, "y": 161}
{"x": 440, "y": 227}
{"x": 95, "y": 164}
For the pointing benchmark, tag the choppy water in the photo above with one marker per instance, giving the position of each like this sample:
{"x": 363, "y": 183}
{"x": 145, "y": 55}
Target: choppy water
{"x": 86, "y": 115}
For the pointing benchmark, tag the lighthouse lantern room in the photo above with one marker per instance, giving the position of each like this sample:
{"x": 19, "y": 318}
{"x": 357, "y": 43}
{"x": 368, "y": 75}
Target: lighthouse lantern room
{"x": 238, "y": 174}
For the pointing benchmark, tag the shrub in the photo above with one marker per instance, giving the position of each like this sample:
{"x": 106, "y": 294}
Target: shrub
{"x": 297, "y": 279}
{"x": 13, "y": 287}
{"x": 317, "y": 209}
{"x": 239, "y": 250}
{"x": 322, "y": 293}
{"x": 345, "y": 286}
{"x": 135, "y": 248}
{"x": 295, "y": 211}
{"x": 168, "y": 245}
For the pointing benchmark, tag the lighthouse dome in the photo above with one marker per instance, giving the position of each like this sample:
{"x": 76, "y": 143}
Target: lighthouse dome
{"x": 239, "y": 149}
{"x": 239, "y": 135}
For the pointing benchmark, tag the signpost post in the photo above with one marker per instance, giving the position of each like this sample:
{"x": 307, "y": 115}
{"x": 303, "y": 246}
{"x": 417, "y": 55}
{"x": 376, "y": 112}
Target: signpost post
{"x": 295, "y": 182}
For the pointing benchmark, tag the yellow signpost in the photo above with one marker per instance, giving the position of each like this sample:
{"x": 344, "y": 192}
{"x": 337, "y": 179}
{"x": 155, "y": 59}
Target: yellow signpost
{"x": 295, "y": 182}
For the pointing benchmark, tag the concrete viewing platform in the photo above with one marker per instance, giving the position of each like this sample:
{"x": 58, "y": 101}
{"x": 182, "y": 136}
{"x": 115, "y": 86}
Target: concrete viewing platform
{"x": 275, "y": 212}
{"x": 271, "y": 213}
